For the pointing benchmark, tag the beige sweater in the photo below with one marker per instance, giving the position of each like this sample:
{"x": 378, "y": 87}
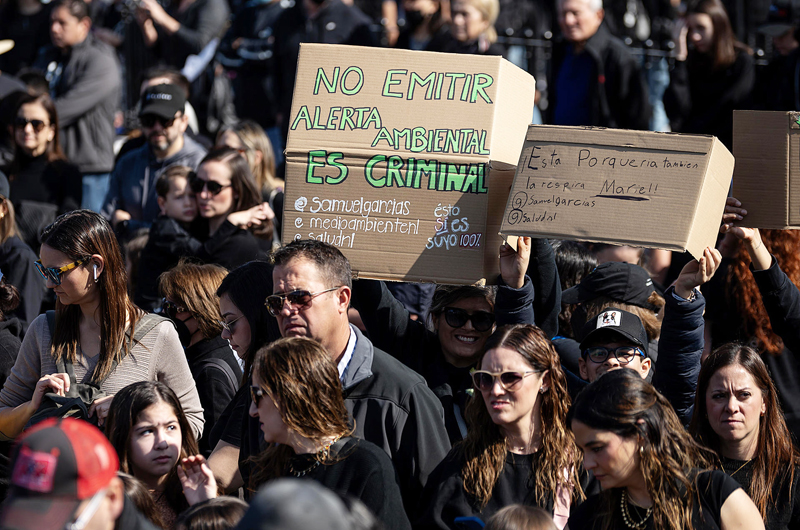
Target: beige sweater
{"x": 158, "y": 357}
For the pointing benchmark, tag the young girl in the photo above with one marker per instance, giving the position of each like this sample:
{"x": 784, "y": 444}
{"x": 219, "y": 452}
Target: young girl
{"x": 151, "y": 434}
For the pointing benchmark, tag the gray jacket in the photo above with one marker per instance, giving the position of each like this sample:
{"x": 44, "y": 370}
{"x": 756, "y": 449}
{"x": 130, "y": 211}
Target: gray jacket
{"x": 85, "y": 84}
{"x": 133, "y": 182}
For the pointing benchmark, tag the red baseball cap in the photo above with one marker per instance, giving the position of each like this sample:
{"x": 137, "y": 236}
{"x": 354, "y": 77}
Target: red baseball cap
{"x": 54, "y": 466}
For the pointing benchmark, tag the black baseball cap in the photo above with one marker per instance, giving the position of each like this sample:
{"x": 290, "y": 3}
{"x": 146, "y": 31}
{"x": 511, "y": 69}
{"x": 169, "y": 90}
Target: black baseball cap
{"x": 163, "y": 101}
{"x": 54, "y": 467}
{"x": 780, "y": 19}
{"x": 620, "y": 281}
{"x": 611, "y": 322}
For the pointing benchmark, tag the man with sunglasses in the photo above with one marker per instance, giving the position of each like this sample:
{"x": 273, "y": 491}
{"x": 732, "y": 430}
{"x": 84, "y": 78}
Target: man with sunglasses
{"x": 391, "y": 404}
{"x": 132, "y": 198}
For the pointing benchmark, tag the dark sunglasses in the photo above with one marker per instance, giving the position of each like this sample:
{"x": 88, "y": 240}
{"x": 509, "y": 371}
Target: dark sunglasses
{"x": 150, "y": 120}
{"x": 298, "y": 299}
{"x": 213, "y": 187}
{"x": 171, "y": 309}
{"x": 20, "y": 123}
{"x": 623, "y": 354}
{"x": 484, "y": 380}
{"x": 456, "y": 318}
{"x": 54, "y": 274}
{"x": 256, "y": 394}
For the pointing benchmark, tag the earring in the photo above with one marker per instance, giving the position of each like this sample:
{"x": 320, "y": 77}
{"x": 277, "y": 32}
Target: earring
{"x": 95, "y": 273}
{"x": 641, "y": 451}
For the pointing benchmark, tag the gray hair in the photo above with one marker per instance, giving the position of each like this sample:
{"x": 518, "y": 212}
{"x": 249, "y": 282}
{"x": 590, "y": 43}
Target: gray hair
{"x": 594, "y": 5}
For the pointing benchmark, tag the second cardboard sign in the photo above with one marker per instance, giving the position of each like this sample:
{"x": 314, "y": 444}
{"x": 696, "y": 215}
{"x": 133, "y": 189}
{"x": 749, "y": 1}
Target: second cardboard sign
{"x": 659, "y": 190}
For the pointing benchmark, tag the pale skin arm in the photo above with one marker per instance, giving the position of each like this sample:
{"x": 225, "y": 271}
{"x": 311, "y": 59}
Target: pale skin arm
{"x": 739, "y": 513}
{"x": 197, "y": 480}
{"x": 224, "y": 464}
{"x": 696, "y": 273}
{"x": 12, "y": 421}
{"x": 514, "y": 263}
{"x": 751, "y": 237}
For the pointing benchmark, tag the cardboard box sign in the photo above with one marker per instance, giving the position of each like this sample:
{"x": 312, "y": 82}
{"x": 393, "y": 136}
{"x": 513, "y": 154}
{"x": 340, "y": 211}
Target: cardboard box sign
{"x": 404, "y": 159}
{"x": 647, "y": 189}
{"x": 767, "y": 175}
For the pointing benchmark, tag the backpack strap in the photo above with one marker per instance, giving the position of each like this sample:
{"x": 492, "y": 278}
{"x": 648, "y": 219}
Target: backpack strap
{"x": 221, "y": 365}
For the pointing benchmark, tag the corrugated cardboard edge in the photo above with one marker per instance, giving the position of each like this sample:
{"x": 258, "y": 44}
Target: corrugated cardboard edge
{"x": 712, "y": 196}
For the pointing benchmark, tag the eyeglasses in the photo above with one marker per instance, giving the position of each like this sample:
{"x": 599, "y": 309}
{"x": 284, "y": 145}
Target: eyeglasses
{"x": 21, "y": 122}
{"x": 88, "y": 512}
{"x": 256, "y": 394}
{"x": 171, "y": 309}
{"x": 150, "y": 120}
{"x": 228, "y": 326}
{"x": 456, "y": 318}
{"x": 298, "y": 299}
{"x": 484, "y": 380}
{"x": 54, "y": 274}
{"x": 623, "y": 354}
{"x": 213, "y": 187}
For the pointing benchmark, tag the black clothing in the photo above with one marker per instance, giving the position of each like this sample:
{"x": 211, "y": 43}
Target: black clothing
{"x": 448, "y": 44}
{"x": 701, "y": 100}
{"x": 30, "y": 33}
{"x": 16, "y": 263}
{"x": 784, "y": 514}
{"x": 712, "y": 490}
{"x": 167, "y": 243}
{"x": 41, "y": 191}
{"x": 202, "y": 21}
{"x": 617, "y": 89}
{"x": 362, "y": 471}
{"x": 445, "y": 498}
{"x": 230, "y": 246}
{"x": 213, "y": 385}
{"x": 10, "y": 341}
{"x": 778, "y": 83}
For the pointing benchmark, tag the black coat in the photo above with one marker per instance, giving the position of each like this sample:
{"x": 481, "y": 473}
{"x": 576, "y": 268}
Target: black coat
{"x": 10, "y": 342}
{"x": 618, "y": 92}
{"x": 16, "y": 264}
{"x": 230, "y": 246}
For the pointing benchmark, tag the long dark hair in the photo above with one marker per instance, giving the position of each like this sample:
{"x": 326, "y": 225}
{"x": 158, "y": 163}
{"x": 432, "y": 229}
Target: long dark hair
{"x": 248, "y": 287}
{"x": 124, "y": 412}
{"x": 79, "y": 234}
{"x": 724, "y": 45}
{"x": 623, "y": 403}
{"x": 53, "y": 150}
{"x": 776, "y": 456}
{"x": 485, "y": 448}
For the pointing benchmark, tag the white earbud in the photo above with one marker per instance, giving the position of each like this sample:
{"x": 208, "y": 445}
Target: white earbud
{"x": 95, "y": 272}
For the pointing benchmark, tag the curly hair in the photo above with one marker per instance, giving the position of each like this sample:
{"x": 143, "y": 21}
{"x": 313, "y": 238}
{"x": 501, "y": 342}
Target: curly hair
{"x": 742, "y": 291}
{"x": 623, "y": 403}
{"x": 485, "y": 447}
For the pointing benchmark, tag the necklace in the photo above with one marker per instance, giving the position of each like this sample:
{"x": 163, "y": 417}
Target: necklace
{"x": 740, "y": 468}
{"x": 321, "y": 455}
{"x": 626, "y": 515}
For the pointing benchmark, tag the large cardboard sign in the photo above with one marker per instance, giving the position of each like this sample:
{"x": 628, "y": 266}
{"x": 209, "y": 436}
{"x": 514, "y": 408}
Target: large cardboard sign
{"x": 403, "y": 160}
{"x": 648, "y": 189}
{"x": 767, "y": 175}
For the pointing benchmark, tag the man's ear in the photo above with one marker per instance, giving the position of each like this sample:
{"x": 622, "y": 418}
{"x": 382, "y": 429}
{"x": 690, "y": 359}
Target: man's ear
{"x": 162, "y": 202}
{"x": 646, "y": 365}
{"x": 343, "y": 296}
{"x": 582, "y": 369}
{"x": 116, "y": 497}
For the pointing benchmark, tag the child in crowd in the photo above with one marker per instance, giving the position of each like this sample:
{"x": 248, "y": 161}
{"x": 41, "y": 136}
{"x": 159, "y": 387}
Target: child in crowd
{"x": 151, "y": 434}
{"x": 221, "y": 513}
{"x": 170, "y": 238}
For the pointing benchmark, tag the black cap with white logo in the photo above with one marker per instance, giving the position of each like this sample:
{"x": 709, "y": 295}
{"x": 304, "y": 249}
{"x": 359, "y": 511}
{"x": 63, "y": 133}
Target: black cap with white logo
{"x": 163, "y": 101}
{"x": 614, "y": 322}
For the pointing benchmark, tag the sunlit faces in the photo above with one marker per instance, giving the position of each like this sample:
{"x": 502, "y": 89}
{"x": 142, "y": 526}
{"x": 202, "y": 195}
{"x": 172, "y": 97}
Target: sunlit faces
{"x": 66, "y": 30}
{"x": 269, "y": 418}
{"x": 735, "y": 404}
{"x": 462, "y": 346}
{"x": 509, "y": 406}
{"x": 614, "y": 460}
{"x": 578, "y": 20}
{"x": 701, "y": 32}
{"x": 230, "y": 139}
{"x": 320, "y": 319}
{"x": 591, "y": 370}
{"x": 180, "y": 203}
{"x": 209, "y": 205}
{"x": 237, "y": 332}
{"x": 77, "y": 285}
{"x": 31, "y": 141}
{"x": 162, "y": 134}
{"x": 468, "y": 22}
{"x": 155, "y": 443}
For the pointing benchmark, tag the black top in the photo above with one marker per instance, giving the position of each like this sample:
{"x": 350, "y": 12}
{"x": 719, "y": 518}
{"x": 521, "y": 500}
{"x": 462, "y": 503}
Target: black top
{"x": 16, "y": 263}
{"x": 10, "y": 342}
{"x": 712, "y": 490}
{"x": 784, "y": 514}
{"x": 230, "y": 246}
{"x": 363, "y": 471}
{"x": 29, "y": 33}
{"x": 213, "y": 386}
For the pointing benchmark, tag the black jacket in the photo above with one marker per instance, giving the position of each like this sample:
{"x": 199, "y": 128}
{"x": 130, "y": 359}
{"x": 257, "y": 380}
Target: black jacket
{"x": 87, "y": 94}
{"x": 394, "y": 409}
{"x": 214, "y": 387}
{"x": 230, "y": 246}
{"x": 16, "y": 264}
{"x": 202, "y": 21}
{"x": 618, "y": 92}
{"x": 10, "y": 341}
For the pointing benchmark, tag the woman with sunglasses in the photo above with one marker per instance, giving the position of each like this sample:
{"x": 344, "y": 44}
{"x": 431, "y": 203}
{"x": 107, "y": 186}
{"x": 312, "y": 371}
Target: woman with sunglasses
{"x": 298, "y": 402}
{"x": 653, "y": 474}
{"x": 190, "y": 300}
{"x": 460, "y": 320}
{"x": 518, "y": 449}
{"x": 43, "y": 183}
{"x": 223, "y": 185}
{"x": 82, "y": 263}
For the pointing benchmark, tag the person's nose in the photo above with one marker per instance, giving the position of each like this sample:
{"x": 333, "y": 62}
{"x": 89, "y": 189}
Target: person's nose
{"x": 612, "y": 362}
{"x": 497, "y": 387}
{"x": 588, "y": 461}
{"x": 253, "y": 411}
{"x": 161, "y": 439}
{"x": 226, "y": 334}
{"x": 732, "y": 405}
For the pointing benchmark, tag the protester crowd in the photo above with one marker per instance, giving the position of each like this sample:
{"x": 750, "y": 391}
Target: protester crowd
{"x": 167, "y": 361}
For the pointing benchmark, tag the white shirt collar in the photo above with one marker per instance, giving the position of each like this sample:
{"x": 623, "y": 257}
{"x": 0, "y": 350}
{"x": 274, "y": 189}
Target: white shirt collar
{"x": 348, "y": 354}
